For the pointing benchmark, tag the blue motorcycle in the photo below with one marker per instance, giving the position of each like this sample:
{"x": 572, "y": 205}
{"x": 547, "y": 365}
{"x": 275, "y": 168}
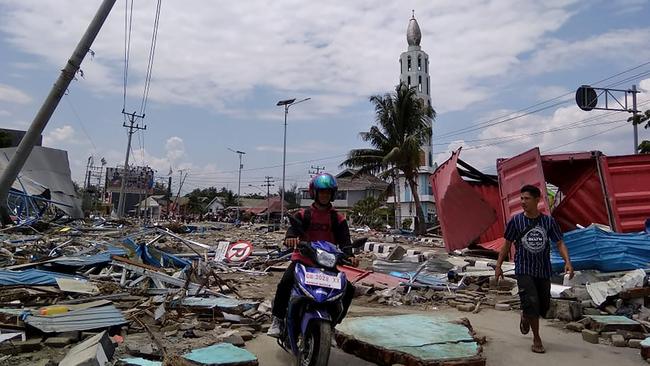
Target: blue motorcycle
{"x": 315, "y": 305}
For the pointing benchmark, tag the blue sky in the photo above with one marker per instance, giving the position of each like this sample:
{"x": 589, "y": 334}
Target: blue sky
{"x": 220, "y": 67}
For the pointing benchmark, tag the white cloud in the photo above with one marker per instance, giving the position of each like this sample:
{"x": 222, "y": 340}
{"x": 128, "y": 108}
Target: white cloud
{"x": 340, "y": 53}
{"x": 570, "y": 129}
{"x": 550, "y": 92}
{"x": 175, "y": 148}
{"x": 10, "y": 94}
{"x": 624, "y": 45}
{"x": 58, "y": 136}
{"x": 4, "y": 113}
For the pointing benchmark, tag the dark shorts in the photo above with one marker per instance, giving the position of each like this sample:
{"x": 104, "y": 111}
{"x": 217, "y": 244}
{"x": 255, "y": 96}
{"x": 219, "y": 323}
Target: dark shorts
{"x": 535, "y": 295}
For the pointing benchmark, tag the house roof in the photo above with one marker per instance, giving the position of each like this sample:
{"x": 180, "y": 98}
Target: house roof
{"x": 273, "y": 205}
{"x": 216, "y": 201}
{"x": 348, "y": 182}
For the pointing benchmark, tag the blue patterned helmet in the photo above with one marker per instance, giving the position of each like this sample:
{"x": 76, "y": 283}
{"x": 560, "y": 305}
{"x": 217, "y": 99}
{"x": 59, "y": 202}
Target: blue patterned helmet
{"x": 322, "y": 181}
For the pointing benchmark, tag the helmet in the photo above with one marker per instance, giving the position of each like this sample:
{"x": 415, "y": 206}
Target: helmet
{"x": 322, "y": 181}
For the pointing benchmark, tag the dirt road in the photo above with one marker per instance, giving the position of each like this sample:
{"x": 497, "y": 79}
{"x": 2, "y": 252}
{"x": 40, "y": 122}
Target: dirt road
{"x": 506, "y": 346}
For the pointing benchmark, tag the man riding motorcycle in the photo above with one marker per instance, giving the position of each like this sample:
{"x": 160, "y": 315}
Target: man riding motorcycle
{"x": 320, "y": 222}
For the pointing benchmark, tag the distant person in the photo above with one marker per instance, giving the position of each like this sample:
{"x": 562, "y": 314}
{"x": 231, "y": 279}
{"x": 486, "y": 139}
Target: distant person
{"x": 532, "y": 231}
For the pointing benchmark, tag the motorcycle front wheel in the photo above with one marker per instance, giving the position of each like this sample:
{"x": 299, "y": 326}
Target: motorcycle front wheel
{"x": 316, "y": 344}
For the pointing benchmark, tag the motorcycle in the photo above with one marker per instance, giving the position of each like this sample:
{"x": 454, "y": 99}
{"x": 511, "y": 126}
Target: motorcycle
{"x": 315, "y": 304}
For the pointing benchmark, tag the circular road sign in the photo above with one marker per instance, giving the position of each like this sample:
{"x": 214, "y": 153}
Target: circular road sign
{"x": 586, "y": 98}
{"x": 239, "y": 251}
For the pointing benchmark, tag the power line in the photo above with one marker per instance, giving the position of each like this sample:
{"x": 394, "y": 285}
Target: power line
{"x": 497, "y": 120}
{"x": 128, "y": 23}
{"x": 586, "y": 137}
{"x": 152, "y": 54}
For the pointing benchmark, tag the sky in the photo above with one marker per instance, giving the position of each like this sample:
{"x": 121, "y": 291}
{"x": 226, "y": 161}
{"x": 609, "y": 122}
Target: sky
{"x": 503, "y": 76}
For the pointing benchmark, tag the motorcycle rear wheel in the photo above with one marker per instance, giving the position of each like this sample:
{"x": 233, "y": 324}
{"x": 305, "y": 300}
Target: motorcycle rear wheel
{"x": 316, "y": 344}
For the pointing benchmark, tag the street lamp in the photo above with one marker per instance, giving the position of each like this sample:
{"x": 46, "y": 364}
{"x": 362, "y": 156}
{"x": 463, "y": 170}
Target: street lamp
{"x": 240, "y": 153}
{"x": 286, "y": 103}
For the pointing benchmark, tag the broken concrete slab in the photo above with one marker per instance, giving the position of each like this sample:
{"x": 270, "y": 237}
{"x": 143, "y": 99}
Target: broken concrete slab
{"x": 222, "y": 354}
{"x": 619, "y": 341}
{"x": 590, "y": 336}
{"x": 96, "y": 350}
{"x": 138, "y": 362}
{"x": 612, "y": 323}
{"x": 576, "y": 327}
{"x": 414, "y": 339}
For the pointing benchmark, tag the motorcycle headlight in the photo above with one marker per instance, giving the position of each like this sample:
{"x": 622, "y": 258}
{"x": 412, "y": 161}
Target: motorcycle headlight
{"x": 325, "y": 259}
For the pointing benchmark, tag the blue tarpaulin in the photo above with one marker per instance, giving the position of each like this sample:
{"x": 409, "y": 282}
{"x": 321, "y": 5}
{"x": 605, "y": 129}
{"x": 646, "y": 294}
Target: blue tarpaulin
{"x": 156, "y": 257}
{"x": 594, "y": 248}
{"x": 30, "y": 277}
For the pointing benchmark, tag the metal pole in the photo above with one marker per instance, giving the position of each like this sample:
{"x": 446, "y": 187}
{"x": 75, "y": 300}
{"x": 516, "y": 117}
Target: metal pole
{"x": 47, "y": 109}
{"x": 284, "y": 160}
{"x": 268, "y": 201}
{"x": 239, "y": 184}
{"x": 636, "y": 127}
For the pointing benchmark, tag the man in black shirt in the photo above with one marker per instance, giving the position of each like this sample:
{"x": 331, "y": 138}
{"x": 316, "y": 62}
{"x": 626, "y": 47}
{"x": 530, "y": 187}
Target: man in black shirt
{"x": 532, "y": 232}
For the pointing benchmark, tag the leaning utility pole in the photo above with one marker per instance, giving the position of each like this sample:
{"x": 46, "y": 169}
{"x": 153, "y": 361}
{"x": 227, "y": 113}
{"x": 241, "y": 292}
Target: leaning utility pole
{"x": 47, "y": 109}
{"x": 268, "y": 186}
{"x": 132, "y": 127}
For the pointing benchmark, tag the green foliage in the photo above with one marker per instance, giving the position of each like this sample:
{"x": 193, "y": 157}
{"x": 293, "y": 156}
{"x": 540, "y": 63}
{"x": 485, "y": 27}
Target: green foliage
{"x": 402, "y": 124}
{"x": 291, "y": 196}
{"x": 406, "y": 223}
{"x": 5, "y": 139}
{"x": 369, "y": 211}
{"x": 644, "y": 147}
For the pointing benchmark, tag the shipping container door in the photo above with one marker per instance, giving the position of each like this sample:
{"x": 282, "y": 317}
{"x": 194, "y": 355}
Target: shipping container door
{"x": 516, "y": 172}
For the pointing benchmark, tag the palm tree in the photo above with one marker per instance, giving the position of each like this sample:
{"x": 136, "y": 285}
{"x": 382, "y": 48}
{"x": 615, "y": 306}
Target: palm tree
{"x": 644, "y": 146}
{"x": 403, "y": 124}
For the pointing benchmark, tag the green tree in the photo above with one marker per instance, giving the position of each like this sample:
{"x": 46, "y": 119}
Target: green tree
{"x": 371, "y": 212}
{"x": 5, "y": 139}
{"x": 291, "y": 196}
{"x": 228, "y": 197}
{"x": 639, "y": 119}
{"x": 403, "y": 124}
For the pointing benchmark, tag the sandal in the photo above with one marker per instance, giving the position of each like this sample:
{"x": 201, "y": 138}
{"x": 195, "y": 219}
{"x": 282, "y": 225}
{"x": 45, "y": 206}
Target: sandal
{"x": 538, "y": 348}
{"x": 524, "y": 326}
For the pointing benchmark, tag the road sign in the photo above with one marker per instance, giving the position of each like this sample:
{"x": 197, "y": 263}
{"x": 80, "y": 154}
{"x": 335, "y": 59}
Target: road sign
{"x": 586, "y": 98}
{"x": 220, "y": 254}
{"x": 239, "y": 251}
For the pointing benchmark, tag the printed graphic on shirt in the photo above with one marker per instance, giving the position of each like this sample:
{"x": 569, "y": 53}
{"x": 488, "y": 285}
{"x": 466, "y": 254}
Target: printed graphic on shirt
{"x": 535, "y": 240}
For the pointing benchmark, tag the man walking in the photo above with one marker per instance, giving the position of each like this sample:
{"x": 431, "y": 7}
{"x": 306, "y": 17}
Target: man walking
{"x": 532, "y": 231}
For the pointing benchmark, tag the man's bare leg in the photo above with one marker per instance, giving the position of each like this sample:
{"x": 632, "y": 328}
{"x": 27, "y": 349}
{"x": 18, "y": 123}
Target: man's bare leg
{"x": 538, "y": 347}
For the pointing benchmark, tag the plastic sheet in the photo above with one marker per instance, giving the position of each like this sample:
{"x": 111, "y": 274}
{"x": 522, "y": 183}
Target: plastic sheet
{"x": 594, "y": 248}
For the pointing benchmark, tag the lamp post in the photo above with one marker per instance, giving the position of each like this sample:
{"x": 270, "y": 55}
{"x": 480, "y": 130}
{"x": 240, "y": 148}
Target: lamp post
{"x": 240, "y": 153}
{"x": 286, "y": 103}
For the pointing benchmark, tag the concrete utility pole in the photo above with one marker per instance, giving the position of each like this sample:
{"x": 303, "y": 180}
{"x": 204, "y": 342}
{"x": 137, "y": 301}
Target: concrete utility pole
{"x": 132, "y": 126}
{"x": 268, "y": 186}
{"x": 316, "y": 170}
{"x": 286, "y": 103}
{"x": 47, "y": 109}
{"x": 241, "y": 166}
{"x": 636, "y": 127}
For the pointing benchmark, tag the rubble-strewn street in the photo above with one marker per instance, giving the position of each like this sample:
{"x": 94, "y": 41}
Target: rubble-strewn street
{"x": 130, "y": 293}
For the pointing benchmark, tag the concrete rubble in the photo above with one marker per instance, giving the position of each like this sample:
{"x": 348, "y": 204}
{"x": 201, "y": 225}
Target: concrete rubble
{"x": 119, "y": 292}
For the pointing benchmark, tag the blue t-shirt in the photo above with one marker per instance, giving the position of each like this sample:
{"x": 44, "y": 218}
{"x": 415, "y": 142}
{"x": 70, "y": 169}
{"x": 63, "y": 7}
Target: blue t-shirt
{"x": 533, "y": 250}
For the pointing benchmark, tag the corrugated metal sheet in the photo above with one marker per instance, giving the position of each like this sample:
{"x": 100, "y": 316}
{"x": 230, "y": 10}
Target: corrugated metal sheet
{"x": 594, "y": 248}
{"x": 584, "y": 204}
{"x": 516, "y": 172}
{"x": 462, "y": 213}
{"x": 31, "y": 277}
{"x": 490, "y": 194}
{"x": 628, "y": 185}
{"x": 78, "y": 320}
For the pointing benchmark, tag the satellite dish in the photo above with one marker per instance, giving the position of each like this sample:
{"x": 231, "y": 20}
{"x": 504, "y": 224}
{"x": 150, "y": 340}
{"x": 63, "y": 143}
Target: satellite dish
{"x": 586, "y": 98}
